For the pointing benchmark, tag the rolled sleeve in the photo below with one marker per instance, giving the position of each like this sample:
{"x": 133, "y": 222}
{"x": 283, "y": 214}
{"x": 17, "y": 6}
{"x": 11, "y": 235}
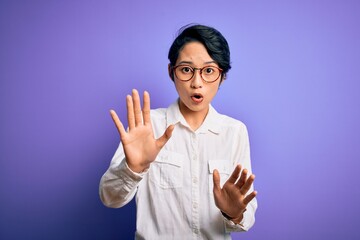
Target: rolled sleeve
{"x": 119, "y": 184}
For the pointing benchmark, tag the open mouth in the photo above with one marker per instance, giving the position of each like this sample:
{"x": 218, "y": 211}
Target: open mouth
{"x": 197, "y": 97}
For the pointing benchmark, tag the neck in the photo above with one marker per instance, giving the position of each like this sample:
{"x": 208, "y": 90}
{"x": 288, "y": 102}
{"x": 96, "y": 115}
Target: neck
{"x": 193, "y": 118}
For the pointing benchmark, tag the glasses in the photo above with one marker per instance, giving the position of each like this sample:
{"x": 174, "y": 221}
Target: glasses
{"x": 208, "y": 74}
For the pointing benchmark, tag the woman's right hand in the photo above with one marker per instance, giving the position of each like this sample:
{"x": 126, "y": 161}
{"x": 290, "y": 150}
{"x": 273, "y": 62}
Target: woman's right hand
{"x": 140, "y": 146}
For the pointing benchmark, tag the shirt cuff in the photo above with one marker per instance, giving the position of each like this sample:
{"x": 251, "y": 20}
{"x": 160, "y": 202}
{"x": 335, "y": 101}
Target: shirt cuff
{"x": 245, "y": 224}
{"x": 233, "y": 227}
{"x": 135, "y": 174}
{"x": 128, "y": 178}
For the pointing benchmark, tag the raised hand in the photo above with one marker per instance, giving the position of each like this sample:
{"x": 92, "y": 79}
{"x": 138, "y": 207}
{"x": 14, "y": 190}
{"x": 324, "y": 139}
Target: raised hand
{"x": 140, "y": 146}
{"x": 232, "y": 199}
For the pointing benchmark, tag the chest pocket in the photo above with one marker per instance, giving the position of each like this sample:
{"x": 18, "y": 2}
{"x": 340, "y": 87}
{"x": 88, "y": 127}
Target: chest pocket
{"x": 224, "y": 167}
{"x": 167, "y": 170}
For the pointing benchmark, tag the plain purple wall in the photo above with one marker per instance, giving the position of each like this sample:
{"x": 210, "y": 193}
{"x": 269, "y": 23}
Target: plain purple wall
{"x": 294, "y": 83}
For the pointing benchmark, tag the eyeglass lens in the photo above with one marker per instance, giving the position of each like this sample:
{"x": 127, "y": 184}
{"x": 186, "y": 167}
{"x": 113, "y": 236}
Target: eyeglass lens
{"x": 208, "y": 73}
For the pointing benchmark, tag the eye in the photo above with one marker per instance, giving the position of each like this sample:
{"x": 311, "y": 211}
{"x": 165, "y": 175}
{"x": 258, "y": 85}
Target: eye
{"x": 209, "y": 70}
{"x": 186, "y": 69}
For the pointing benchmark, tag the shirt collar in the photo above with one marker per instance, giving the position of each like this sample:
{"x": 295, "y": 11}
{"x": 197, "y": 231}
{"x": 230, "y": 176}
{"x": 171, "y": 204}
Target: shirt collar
{"x": 211, "y": 123}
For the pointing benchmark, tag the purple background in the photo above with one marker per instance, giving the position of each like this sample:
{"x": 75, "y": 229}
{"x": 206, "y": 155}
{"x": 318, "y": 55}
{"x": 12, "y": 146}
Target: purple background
{"x": 294, "y": 83}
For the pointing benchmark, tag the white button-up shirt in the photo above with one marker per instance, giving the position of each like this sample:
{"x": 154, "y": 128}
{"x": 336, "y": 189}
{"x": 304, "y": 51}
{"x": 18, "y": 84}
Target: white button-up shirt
{"x": 174, "y": 196}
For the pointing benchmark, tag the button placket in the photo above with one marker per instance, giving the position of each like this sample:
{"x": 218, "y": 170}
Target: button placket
{"x": 195, "y": 186}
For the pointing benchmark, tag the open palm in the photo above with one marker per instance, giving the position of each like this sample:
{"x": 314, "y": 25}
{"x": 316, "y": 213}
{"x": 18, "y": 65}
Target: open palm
{"x": 139, "y": 143}
{"x": 233, "y": 197}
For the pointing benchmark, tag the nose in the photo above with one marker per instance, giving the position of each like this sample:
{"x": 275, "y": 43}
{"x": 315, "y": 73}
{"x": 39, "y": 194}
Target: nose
{"x": 196, "y": 81}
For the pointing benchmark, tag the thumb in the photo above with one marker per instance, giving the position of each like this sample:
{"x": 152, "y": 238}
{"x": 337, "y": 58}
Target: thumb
{"x": 216, "y": 179}
{"x": 165, "y": 137}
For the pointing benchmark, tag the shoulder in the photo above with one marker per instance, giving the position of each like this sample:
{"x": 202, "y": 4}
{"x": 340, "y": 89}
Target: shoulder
{"x": 158, "y": 115}
{"x": 230, "y": 122}
{"x": 158, "y": 112}
{"x": 232, "y": 127}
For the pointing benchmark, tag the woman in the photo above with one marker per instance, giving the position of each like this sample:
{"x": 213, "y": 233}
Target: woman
{"x": 188, "y": 165}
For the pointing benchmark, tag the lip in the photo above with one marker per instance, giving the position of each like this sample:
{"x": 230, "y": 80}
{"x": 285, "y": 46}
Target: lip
{"x": 197, "y": 97}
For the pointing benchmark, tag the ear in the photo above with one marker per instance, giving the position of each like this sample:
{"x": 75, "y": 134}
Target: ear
{"x": 170, "y": 71}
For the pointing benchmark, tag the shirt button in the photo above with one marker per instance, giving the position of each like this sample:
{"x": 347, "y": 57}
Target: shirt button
{"x": 193, "y": 137}
{"x": 194, "y": 180}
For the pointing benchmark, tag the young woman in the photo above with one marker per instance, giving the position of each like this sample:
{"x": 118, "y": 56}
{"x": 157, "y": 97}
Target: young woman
{"x": 188, "y": 165}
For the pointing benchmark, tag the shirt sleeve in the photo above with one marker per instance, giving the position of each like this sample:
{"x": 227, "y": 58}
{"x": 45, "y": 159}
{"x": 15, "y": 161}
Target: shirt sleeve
{"x": 242, "y": 155}
{"x": 119, "y": 183}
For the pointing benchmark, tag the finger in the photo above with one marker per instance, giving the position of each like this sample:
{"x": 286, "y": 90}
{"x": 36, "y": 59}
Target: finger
{"x": 137, "y": 107}
{"x": 146, "y": 108}
{"x": 246, "y": 187}
{"x": 118, "y": 124}
{"x": 242, "y": 178}
{"x": 130, "y": 112}
{"x": 249, "y": 197}
{"x": 235, "y": 175}
{"x": 216, "y": 180}
{"x": 165, "y": 137}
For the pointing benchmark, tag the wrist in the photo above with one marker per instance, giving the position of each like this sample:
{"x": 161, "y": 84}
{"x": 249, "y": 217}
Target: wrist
{"x": 138, "y": 168}
{"x": 235, "y": 220}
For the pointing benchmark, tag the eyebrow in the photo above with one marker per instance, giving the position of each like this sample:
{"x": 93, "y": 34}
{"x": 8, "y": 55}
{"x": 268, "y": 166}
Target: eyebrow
{"x": 189, "y": 62}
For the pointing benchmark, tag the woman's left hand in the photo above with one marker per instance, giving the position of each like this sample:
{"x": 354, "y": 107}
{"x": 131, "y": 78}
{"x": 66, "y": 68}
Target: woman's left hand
{"x": 232, "y": 198}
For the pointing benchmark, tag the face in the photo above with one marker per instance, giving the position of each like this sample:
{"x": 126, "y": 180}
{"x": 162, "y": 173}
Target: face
{"x": 195, "y": 95}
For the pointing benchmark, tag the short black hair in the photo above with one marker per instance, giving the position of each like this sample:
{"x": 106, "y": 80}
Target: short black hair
{"x": 214, "y": 42}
